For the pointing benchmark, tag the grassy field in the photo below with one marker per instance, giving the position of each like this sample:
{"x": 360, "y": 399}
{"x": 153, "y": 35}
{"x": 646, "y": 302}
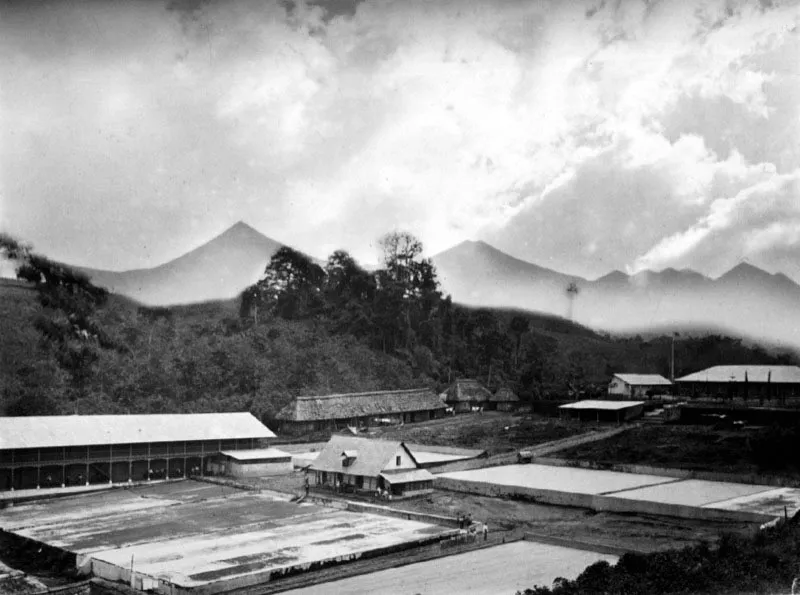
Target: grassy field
{"x": 495, "y": 432}
{"x": 697, "y": 448}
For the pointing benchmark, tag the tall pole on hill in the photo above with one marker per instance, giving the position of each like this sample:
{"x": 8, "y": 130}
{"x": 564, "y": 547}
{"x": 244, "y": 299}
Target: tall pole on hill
{"x": 672, "y": 360}
{"x": 572, "y": 292}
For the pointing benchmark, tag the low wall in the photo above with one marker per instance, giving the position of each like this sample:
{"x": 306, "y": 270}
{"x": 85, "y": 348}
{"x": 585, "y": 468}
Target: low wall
{"x": 408, "y": 515}
{"x": 598, "y": 502}
{"x": 753, "y": 478}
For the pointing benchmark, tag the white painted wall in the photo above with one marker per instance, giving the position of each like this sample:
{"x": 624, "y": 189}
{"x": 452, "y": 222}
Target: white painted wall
{"x": 405, "y": 461}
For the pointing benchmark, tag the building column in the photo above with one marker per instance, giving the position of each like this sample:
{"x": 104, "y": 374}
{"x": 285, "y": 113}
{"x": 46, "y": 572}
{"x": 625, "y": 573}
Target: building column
{"x": 130, "y": 469}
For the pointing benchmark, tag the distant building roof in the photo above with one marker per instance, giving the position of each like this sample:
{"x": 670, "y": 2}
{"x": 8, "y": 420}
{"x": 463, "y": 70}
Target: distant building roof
{"x": 373, "y": 455}
{"x": 257, "y": 454}
{"x": 607, "y": 405}
{"x": 504, "y": 395}
{"x": 93, "y": 430}
{"x": 775, "y": 374}
{"x": 643, "y": 379}
{"x": 467, "y": 390}
{"x": 349, "y": 405}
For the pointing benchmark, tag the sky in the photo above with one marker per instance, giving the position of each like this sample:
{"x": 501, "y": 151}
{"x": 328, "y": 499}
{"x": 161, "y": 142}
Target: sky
{"x": 582, "y": 136}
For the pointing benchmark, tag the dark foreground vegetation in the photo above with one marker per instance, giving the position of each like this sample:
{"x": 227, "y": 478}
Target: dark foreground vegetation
{"x": 766, "y": 563}
{"x": 68, "y": 346}
{"x": 770, "y": 450}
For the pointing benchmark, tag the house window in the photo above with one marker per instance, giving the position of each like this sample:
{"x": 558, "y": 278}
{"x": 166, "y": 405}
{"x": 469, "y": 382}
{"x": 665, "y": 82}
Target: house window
{"x": 397, "y": 462}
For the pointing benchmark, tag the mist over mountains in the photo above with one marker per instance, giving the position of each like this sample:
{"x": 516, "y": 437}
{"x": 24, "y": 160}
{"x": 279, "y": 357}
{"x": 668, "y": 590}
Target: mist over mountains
{"x": 745, "y": 300}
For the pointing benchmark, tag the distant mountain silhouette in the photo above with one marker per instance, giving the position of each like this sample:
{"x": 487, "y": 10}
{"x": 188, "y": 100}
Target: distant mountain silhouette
{"x": 745, "y": 299}
{"x": 219, "y": 269}
{"x": 479, "y": 274}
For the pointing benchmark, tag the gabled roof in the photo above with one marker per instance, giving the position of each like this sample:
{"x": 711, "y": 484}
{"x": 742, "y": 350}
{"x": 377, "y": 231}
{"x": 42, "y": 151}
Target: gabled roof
{"x": 643, "y": 379}
{"x": 775, "y": 374}
{"x": 373, "y": 455}
{"x": 467, "y": 390}
{"x": 349, "y": 405}
{"x": 93, "y": 430}
{"x": 504, "y": 395}
{"x": 606, "y": 405}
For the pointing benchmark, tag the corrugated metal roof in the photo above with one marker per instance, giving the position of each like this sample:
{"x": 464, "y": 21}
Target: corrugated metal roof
{"x": 776, "y": 374}
{"x": 643, "y": 379}
{"x": 408, "y": 476}
{"x": 608, "y": 405}
{"x": 351, "y": 405}
{"x": 93, "y": 430}
{"x": 257, "y": 454}
{"x": 373, "y": 455}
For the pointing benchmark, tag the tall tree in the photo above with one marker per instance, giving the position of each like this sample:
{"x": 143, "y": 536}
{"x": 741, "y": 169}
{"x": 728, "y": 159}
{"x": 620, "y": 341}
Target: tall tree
{"x": 291, "y": 287}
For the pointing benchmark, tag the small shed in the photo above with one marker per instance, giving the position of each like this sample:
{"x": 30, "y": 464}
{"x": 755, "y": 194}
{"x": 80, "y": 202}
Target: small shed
{"x": 638, "y": 386}
{"x": 466, "y": 393}
{"x": 253, "y": 463}
{"x": 615, "y": 411}
{"x": 504, "y": 399}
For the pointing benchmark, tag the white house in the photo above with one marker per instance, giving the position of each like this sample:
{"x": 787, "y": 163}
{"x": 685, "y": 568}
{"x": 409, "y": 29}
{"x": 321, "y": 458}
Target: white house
{"x": 638, "y": 386}
{"x": 352, "y": 464}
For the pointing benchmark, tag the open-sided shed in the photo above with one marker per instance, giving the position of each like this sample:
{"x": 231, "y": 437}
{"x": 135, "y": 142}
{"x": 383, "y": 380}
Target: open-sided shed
{"x": 617, "y": 411}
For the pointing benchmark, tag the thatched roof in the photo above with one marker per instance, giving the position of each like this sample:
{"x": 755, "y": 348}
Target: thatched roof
{"x": 505, "y": 395}
{"x": 368, "y": 457}
{"x": 469, "y": 391}
{"x": 350, "y": 405}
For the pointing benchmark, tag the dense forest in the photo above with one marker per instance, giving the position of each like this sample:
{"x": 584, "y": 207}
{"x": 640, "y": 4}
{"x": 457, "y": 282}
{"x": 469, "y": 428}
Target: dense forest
{"x": 304, "y": 328}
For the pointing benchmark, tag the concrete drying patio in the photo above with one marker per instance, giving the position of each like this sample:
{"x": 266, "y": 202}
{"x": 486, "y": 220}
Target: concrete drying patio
{"x": 208, "y": 538}
{"x": 502, "y": 569}
{"x": 628, "y": 492}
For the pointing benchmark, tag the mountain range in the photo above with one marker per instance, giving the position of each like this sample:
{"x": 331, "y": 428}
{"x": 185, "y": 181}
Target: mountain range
{"x": 745, "y": 299}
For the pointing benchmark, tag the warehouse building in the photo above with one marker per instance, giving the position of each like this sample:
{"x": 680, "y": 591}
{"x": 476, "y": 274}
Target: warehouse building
{"x": 360, "y": 465}
{"x": 466, "y": 393}
{"x": 638, "y": 386}
{"x": 748, "y": 382}
{"x": 332, "y": 412}
{"x": 70, "y": 450}
{"x": 603, "y": 411}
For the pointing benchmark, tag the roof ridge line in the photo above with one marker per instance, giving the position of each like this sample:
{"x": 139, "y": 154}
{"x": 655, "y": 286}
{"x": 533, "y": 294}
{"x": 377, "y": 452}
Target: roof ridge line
{"x": 366, "y": 393}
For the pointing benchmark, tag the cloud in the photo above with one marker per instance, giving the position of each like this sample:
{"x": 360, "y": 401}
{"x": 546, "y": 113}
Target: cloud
{"x": 141, "y": 129}
{"x": 759, "y": 223}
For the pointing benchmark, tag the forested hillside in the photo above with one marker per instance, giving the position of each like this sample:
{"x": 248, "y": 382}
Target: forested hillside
{"x": 68, "y": 347}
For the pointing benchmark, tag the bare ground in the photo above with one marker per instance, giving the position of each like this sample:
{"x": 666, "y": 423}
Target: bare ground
{"x": 495, "y": 432}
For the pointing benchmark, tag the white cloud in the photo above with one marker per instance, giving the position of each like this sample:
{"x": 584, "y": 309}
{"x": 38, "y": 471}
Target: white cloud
{"x": 451, "y": 119}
